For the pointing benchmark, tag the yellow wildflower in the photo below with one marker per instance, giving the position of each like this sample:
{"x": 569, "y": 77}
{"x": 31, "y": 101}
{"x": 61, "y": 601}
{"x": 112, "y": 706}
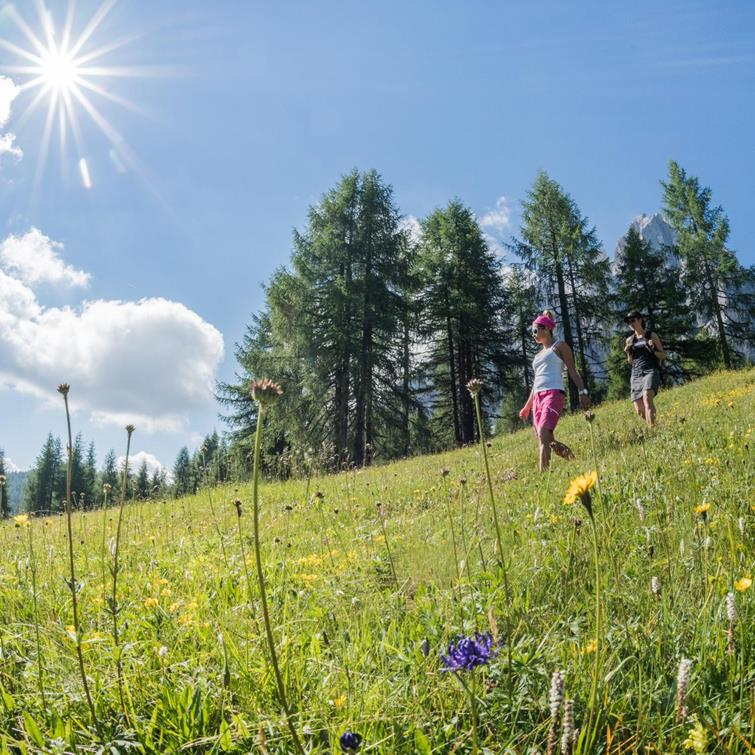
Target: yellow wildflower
{"x": 702, "y": 508}
{"x": 697, "y": 739}
{"x": 580, "y": 486}
{"x": 22, "y": 520}
{"x": 71, "y": 632}
{"x": 150, "y": 603}
{"x": 339, "y": 701}
{"x": 591, "y": 647}
{"x": 308, "y": 578}
{"x": 743, "y": 584}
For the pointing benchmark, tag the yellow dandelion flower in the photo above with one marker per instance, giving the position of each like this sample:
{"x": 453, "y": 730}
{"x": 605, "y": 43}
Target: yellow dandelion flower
{"x": 743, "y": 584}
{"x": 22, "y": 520}
{"x": 174, "y": 607}
{"x": 339, "y": 701}
{"x": 71, "y": 632}
{"x": 702, "y": 508}
{"x": 580, "y": 486}
{"x": 591, "y": 647}
{"x": 150, "y": 603}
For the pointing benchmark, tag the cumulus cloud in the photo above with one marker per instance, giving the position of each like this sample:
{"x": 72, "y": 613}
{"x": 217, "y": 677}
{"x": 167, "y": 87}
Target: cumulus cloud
{"x": 34, "y": 258}
{"x": 149, "y": 362}
{"x": 496, "y": 223}
{"x": 135, "y": 461}
{"x": 8, "y": 92}
{"x": 412, "y": 226}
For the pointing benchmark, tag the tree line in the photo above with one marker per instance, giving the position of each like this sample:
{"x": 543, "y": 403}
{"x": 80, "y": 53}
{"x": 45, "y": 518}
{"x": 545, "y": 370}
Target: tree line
{"x": 374, "y": 333}
{"x": 45, "y": 488}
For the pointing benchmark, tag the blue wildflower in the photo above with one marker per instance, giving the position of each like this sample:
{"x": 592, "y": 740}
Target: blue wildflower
{"x": 467, "y": 653}
{"x": 350, "y": 742}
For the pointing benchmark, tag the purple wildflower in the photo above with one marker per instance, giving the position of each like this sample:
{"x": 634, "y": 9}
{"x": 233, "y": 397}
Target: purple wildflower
{"x": 350, "y": 742}
{"x": 467, "y": 653}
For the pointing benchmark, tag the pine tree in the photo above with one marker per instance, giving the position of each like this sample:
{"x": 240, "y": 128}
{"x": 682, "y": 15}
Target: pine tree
{"x": 721, "y": 291}
{"x": 462, "y": 295}
{"x": 141, "y": 483}
{"x": 109, "y": 476}
{"x": 573, "y": 275}
{"x": 328, "y": 332}
{"x": 649, "y": 279}
{"x": 89, "y": 479}
{"x": 182, "y": 472}
{"x": 44, "y": 491}
{"x": 4, "y": 500}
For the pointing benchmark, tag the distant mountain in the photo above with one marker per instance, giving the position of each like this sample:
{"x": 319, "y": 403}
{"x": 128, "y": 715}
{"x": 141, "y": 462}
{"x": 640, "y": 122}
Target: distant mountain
{"x": 654, "y": 229}
{"x": 15, "y": 482}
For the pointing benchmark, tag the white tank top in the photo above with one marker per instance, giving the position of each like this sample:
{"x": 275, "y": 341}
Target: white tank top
{"x": 547, "y": 366}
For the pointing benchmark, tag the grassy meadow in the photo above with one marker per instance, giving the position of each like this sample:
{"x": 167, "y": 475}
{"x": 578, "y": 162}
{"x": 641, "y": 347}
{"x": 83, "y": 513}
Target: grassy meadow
{"x": 371, "y": 573}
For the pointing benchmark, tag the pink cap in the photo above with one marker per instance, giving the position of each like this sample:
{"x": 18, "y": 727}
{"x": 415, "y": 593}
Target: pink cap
{"x": 546, "y": 321}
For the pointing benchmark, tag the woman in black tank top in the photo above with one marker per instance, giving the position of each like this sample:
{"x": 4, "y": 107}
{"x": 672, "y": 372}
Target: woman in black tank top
{"x": 644, "y": 352}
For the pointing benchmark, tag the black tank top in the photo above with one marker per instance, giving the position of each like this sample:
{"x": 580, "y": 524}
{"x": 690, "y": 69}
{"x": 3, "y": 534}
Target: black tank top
{"x": 643, "y": 360}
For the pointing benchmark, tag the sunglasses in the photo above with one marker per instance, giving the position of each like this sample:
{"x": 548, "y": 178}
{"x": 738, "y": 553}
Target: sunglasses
{"x": 537, "y": 329}
{"x": 632, "y": 319}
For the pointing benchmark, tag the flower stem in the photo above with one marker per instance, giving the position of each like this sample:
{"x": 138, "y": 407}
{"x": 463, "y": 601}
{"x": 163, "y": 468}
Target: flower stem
{"x": 72, "y": 571}
{"x": 261, "y": 580}
{"x": 596, "y": 670}
{"x": 502, "y": 559}
{"x": 33, "y": 565}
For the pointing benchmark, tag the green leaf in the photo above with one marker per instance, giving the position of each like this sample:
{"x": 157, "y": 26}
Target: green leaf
{"x": 33, "y": 730}
{"x": 421, "y": 742}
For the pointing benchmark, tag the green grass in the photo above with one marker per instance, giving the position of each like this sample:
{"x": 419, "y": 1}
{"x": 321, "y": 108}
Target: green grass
{"x": 355, "y": 605}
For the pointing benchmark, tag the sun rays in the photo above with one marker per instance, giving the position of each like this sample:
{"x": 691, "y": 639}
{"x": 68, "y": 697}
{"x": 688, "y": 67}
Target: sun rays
{"x": 67, "y": 73}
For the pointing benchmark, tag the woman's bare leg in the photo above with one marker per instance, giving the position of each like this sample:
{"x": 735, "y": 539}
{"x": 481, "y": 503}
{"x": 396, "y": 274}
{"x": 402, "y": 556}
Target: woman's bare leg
{"x": 546, "y": 438}
{"x": 639, "y": 407}
{"x": 649, "y": 407}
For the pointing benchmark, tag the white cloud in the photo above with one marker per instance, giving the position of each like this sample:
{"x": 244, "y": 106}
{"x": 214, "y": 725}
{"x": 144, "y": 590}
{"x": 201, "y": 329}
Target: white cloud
{"x": 7, "y": 147}
{"x": 8, "y": 93}
{"x": 498, "y": 220}
{"x": 496, "y": 223}
{"x": 412, "y": 226}
{"x": 135, "y": 461}
{"x": 148, "y": 362}
{"x": 34, "y": 258}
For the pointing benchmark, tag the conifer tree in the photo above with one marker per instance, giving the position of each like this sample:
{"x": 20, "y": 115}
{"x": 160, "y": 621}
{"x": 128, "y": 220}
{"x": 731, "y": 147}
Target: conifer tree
{"x": 141, "y": 483}
{"x": 721, "y": 291}
{"x": 573, "y": 275}
{"x": 182, "y": 475}
{"x": 109, "y": 475}
{"x": 462, "y": 295}
{"x": 650, "y": 280}
{"x": 43, "y": 492}
{"x": 4, "y": 498}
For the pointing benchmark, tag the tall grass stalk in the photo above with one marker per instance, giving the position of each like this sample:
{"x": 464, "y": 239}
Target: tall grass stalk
{"x": 63, "y": 389}
{"x": 35, "y": 606}
{"x": 474, "y": 387}
{"x": 261, "y": 405}
{"x": 114, "y": 608}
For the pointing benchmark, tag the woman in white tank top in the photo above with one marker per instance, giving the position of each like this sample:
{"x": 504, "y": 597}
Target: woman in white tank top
{"x": 547, "y": 395}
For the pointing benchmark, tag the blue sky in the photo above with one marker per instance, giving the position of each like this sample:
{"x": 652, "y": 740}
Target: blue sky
{"x": 136, "y": 288}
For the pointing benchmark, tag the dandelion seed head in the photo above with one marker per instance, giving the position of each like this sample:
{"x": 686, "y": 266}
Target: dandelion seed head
{"x": 63, "y": 389}
{"x": 474, "y": 386}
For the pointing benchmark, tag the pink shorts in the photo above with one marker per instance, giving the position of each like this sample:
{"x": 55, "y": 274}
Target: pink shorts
{"x": 546, "y": 409}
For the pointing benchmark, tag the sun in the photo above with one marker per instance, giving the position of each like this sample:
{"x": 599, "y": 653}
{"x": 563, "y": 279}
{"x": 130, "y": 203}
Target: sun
{"x": 59, "y": 70}
{"x": 62, "y": 70}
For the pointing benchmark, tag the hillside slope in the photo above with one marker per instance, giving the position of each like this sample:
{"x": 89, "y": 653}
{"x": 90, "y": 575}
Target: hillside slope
{"x": 371, "y": 573}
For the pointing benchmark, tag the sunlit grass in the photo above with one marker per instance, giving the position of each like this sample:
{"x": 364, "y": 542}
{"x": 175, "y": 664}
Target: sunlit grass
{"x": 365, "y": 595}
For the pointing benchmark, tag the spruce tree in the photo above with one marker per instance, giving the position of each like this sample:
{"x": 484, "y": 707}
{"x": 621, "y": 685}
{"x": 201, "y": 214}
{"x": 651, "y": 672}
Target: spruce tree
{"x": 141, "y": 483}
{"x": 109, "y": 476}
{"x": 650, "y": 280}
{"x": 460, "y": 326}
{"x": 4, "y": 498}
{"x": 573, "y": 276}
{"x": 721, "y": 291}
{"x": 182, "y": 472}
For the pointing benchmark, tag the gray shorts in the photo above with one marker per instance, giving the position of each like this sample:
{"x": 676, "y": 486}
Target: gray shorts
{"x": 641, "y": 384}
